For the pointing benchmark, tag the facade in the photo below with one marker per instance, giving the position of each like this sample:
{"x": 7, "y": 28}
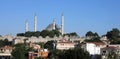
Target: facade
{"x": 64, "y": 45}
{"x": 106, "y": 51}
{"x": 5, "y": 52}
{"x": 37, "y": 52}
{"x": 40, "y": 53}
{"x": 94, "y": 48}
{"x": 110, "y": 49}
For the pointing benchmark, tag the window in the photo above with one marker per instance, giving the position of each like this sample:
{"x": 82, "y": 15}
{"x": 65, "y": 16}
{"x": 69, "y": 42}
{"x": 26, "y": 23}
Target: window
{"x": 35, "y": 55}
{"x": 104, "y": 51}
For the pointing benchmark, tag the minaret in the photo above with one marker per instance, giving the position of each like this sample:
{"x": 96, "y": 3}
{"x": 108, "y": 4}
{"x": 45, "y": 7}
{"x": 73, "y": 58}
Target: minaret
{"x": 26, "y": 26}
{"x": 62, "y": 24}
{"x": 35, "y": 23}
{"x": 53, "y": 24}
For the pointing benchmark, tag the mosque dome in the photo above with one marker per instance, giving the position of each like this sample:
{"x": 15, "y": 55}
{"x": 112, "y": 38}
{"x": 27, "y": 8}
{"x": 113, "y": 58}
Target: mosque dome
{"x": 51, "y": 27}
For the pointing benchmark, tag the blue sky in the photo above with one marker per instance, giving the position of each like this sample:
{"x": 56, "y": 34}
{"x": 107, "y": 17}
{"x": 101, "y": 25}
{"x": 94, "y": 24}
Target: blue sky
{"x": 80, "y": 15}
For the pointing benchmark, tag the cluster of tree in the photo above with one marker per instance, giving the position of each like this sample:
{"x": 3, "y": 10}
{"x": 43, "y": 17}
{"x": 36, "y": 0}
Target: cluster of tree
{"x": 4, "y": 42}
{"x": 76, "y": 53}
{"x": 71, "y": 34}
{"x": 21, "y": 51}
{"x": 96, "y": 39}
{"x": 91, "y": 34}
{"x": 93, "y": 37}
{"x": 41, "y": 44}
{"x": 114, "y": 36}
{"x": 50, "y": 45}
{"x": 113, "y": 55}
{"x": 43, "y": 33}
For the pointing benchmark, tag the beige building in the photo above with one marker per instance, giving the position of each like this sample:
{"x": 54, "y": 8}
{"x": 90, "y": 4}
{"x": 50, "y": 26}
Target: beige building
{"x": 64, "y": 45}
{"x": 5, "y": 52}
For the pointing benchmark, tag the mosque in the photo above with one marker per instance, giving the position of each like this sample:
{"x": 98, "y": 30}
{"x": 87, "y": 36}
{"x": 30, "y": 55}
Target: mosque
{"x": 50, "y": 27}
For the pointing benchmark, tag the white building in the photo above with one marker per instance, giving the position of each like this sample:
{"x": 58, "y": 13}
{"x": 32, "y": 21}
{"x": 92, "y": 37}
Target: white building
{"x": 94, "y": 48}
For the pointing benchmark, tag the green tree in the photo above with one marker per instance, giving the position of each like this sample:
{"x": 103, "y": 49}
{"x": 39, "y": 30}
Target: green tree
{"x": 51, "y": 34}
{"x": 113, "y": 36}
{"x": 89, "y": 33}
{"x": 113, "y": 33}
{"x": 20, "y": 51}
{"x": 74, "y": 34}
{"x": 97, "y": 39}
{"x": 112, "y": 55}
{"x": 20, "y": 34}
{"x": 1, "y": 43}
{"x": 4, "y": 42}
{"x": 37, "y": 34}
{"x": 57, "y": 33}
{"x": 49, "y": 45}
{"x": 76, "y": 53}
{"x": 41, "y": 44}
{"x": 71, "y": 34}
{"x": 38, "y": 58}
{"x": 94, "y": 37}
{"x": 96, "y": 34}
{"x": 28, "y": 34}
{"x": 44, "y": 33}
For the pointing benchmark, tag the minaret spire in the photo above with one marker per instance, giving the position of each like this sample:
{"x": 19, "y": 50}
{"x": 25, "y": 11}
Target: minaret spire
{"x": 35, "y": 23}
{"x": 54, "y": 24}
{"x": 26, "y": 26}
{"x": 62, "y": 24}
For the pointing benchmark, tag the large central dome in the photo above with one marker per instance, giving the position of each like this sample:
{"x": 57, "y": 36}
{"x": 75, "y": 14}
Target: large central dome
{"x": 52, "y": 26}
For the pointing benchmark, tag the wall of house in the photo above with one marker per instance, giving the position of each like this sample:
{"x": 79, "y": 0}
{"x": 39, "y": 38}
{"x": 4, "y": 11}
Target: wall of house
{"x": 64, "y": 46}
{"x": 92, "y": 49}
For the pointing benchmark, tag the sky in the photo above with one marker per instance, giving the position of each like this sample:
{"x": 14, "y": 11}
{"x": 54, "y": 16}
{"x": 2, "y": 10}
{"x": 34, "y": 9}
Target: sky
{"x": 81, "y": 16}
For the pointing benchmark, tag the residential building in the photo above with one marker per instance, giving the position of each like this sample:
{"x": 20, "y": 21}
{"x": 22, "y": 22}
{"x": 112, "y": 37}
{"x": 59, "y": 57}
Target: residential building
{"x": 94, "y": 48}
{"x": 5, "y": 52}
{"x": 64, "y": 45}
{"x": 106, "y": 51}
{"x": 38, "y": 52}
